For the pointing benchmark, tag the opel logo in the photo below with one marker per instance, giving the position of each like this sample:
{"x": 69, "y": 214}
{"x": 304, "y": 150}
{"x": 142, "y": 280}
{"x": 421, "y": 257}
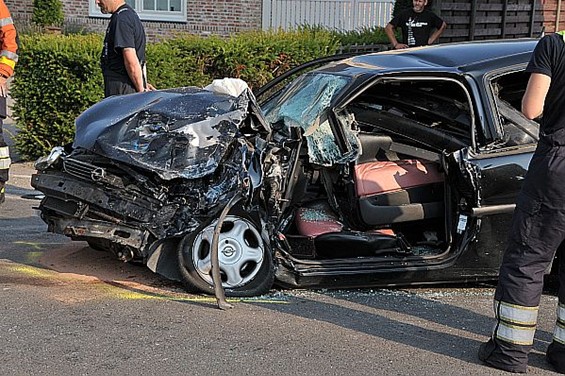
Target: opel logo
{"x": 98, "y": 174}
{"x": 228, "y": 251}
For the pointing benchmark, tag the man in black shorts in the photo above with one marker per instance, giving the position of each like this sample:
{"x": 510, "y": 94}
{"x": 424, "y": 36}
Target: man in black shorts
{"x": 537, "y": 233}
{"x": 417, "y": 24}
{"x": 123, "y": 53}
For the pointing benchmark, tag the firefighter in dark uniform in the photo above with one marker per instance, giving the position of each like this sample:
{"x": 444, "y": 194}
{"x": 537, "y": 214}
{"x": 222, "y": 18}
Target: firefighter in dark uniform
{"x": 538, "y": 225}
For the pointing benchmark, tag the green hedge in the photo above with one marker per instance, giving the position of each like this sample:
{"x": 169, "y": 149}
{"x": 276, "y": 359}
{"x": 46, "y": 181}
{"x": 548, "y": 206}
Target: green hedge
{"x": 58, "y": 76}
{"x": 255, "y": 57}
{"x": 47, "y": 13}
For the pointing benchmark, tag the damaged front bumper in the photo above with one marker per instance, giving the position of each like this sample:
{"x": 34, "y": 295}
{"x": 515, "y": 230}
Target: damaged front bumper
{"x": 80, "y": 229}
{"x": 78, "y": 209}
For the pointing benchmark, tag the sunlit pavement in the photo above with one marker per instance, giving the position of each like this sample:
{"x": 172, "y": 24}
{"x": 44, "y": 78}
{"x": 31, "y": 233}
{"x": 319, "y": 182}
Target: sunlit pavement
{"x": 67, "y": 309}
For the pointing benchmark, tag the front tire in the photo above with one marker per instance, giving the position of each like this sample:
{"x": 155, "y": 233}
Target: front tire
{"x": 245, "y": 258}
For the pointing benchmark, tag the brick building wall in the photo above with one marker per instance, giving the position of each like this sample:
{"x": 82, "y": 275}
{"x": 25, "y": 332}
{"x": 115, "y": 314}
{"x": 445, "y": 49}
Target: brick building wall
{"x": 225, "y": 17}
{"x": 204, "y": 17}
{"x": 554, "y": 15}
{"x": 20, "y": 9}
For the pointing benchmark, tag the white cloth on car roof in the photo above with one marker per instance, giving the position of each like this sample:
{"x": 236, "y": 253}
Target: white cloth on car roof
{"x": 230, "y": 86}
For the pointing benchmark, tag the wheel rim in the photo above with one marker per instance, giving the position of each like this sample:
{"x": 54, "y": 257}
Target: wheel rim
{"x": 240, "y": 252}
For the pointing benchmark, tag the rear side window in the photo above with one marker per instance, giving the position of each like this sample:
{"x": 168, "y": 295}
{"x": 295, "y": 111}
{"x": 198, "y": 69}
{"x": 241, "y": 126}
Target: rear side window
{"x": 508, "y": 90}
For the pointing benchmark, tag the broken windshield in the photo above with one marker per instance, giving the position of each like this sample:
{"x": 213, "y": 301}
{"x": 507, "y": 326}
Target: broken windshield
{"x": 304, "y": 104}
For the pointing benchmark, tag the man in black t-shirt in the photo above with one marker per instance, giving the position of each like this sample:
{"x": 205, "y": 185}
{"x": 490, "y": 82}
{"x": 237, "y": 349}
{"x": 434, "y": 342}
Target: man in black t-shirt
{"x": 123, "y": 53}
{"x": 537, "y": 233}
{"x": 417, "y": 25}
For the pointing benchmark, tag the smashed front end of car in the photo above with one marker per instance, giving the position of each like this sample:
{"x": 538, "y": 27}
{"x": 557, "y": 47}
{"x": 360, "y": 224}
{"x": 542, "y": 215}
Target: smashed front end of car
{"x": 147, "y": 169}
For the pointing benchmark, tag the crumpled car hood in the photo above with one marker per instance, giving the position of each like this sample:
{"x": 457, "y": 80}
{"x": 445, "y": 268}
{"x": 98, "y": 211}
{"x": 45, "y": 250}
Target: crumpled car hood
{"x": 176, "y": 133}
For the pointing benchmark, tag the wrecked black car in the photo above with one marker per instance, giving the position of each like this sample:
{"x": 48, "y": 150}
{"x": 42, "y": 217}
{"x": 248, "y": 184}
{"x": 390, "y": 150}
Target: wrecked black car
{"x": 386, "y": 169}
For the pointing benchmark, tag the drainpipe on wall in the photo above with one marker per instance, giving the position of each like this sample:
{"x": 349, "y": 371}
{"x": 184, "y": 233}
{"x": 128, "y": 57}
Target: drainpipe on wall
{"x": 472, "y": 21}
{"x": 557, "y": 16}
{"x": 532, "y": 18}
{"x": 503, "y": 21}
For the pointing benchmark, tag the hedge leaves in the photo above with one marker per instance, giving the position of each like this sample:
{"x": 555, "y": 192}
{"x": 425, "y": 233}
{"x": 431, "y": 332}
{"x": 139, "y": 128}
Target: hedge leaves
{"x": 58, "y": 76}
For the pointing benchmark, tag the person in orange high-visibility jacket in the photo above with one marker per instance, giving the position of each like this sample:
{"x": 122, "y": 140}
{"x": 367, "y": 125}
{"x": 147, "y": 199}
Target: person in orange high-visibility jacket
{"x": 8, "y": 59}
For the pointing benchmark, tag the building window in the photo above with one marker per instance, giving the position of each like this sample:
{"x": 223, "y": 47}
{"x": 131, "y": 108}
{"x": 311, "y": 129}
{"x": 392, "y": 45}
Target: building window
{"x": 150, "y": 10}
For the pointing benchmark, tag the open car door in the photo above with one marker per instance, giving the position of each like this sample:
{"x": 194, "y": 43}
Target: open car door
{"x": 416, "y": 134}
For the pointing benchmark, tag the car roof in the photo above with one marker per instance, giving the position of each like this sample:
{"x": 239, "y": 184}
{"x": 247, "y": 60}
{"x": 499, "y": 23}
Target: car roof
{"x": 464, "y": 57}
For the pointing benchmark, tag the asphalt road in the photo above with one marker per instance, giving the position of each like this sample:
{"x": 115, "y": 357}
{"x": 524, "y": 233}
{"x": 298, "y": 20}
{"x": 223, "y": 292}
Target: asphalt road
{"x": 69, "y": 310}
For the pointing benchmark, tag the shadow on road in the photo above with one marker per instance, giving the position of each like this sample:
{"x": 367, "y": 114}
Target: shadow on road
{"x": 418, "y": 322}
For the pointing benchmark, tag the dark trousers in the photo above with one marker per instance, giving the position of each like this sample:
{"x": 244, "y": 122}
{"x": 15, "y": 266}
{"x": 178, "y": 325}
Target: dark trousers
{"x": 537, "y": 234}
{"x": 114, "y": 86}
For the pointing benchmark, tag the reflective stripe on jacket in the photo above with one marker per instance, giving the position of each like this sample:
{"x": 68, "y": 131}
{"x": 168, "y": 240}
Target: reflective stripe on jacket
{"x": 9, "y": 51}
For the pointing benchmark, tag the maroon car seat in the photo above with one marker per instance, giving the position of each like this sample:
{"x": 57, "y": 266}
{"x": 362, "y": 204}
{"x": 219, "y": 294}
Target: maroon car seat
{"x": 399, "y": 191}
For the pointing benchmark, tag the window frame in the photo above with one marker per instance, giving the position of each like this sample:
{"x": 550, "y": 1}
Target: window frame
{"x": 144, "y": 15}
{"x": 473, "y": 137}
{"x": 489, "y": 80}
{"x": 495, "y": 98}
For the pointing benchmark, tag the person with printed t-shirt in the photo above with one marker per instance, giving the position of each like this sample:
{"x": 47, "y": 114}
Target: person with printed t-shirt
{"x": 417, "y": 24}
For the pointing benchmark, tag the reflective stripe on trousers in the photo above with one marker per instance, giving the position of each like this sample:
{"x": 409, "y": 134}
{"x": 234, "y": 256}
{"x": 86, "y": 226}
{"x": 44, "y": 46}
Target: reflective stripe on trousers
{"x": 5, "y": 160}
{"x": 515, "y": 324}
{"x": 559, "y": 332}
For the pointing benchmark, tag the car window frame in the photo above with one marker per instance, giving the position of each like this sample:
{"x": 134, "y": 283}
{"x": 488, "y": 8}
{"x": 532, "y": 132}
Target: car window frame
{"x": 421, "y": 77}
{"x": 492, "y": 102}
